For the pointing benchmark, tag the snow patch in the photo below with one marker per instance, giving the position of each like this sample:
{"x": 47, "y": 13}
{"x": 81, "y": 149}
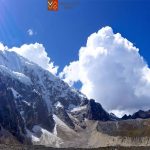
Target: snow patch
{"x": 36, "y": 92}
{"x": 27, "y": 103}
{"x": 58, "y": 104}
{"x": 19, "y": 76}
{"x": 41, "y": 136}
{"x": 78, "y": 108}
{"x": 55, "y": 130}
{"x": 15, "y": 93}
{"x": 23, "y": 78}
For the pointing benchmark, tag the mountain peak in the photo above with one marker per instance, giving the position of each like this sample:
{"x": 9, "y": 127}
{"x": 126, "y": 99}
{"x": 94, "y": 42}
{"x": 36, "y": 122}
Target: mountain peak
{"x": 38, "y": 107}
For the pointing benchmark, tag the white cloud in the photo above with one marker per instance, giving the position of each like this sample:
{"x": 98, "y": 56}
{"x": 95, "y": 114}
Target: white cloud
{"x": 112, "y": 72}
{"x": 30, "y": 32}
{"x": 37, "y": 54}
{"x": 70, "y": 72}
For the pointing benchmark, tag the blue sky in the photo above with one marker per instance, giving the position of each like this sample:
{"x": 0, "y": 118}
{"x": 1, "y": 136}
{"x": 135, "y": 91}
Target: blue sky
{"x": 63, "y": 33}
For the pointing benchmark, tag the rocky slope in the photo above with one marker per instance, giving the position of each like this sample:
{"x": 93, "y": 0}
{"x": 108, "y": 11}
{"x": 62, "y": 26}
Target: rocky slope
{"x": 38, "y": 108}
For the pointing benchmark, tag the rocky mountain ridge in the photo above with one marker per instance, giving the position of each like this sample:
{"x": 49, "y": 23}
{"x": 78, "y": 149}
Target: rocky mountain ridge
{"x": 38, "y": 108}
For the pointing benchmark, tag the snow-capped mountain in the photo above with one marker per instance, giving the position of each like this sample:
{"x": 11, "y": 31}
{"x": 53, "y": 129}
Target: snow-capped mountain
{"x": 37, "y": 95}
{"x": 37, "y": 107}
{"x": 49, "y": 86}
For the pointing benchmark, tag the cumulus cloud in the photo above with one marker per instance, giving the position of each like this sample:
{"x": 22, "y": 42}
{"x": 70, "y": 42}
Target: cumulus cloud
{"x": 71, "y": 73}
{"x": 112, "y": 72}
{"x": 30, "y": 32}
{"x": 37, "y": 54}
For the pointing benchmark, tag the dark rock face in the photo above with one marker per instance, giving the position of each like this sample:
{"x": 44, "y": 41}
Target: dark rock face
{"x": 10, "y": 118}
{"x": 26, "y": 109}
{"x": 114, "y": 117}
{"x": 84, "y": 102}
{"x": 30, "y": 104}
{"x": 91, "y": 110}
{"x": 125, "y": 117}
{"x": 62, "y": 114}
{"x": 139, "y": 114}
{"x": 7, "y": 138}
{"x": 96, "y": 112}
{"x": 36, "y": 113}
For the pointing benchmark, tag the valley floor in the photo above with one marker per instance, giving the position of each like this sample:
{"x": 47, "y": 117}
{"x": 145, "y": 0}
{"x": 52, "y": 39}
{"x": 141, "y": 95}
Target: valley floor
{"x": 25, "y": 147}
